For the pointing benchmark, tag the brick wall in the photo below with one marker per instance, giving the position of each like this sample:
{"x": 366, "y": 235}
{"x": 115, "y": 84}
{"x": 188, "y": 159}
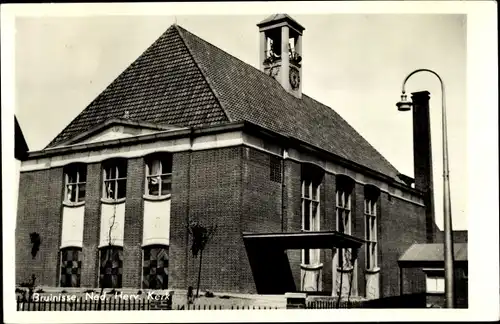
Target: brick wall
{"x": 134, "y": 211}
{"x": 91, "y": 226}
{"x": 400, "y": 225}
{"x": 179, "y": 211}
{"x": 328, "y": 222}
{"x": 39, "y": 210}
{"x": 293, "y": 216}
{"x": 214, "y": 198}
{"x": 261, "y": 206}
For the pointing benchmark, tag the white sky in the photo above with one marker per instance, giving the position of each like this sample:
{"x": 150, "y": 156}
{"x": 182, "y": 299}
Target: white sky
{"x": 353, "y": 63}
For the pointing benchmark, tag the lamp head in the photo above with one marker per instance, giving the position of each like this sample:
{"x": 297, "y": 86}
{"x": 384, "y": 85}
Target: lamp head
{"x": 404, "y": 104}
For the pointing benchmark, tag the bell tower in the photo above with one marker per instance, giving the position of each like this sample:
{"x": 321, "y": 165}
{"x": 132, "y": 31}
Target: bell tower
{"x": 281, "y": 51}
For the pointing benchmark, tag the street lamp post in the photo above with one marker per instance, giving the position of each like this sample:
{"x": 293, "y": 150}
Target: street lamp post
{"x": 405, "y": 105}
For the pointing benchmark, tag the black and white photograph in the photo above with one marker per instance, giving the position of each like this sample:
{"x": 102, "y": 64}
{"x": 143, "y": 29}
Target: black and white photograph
{"x": 284, "y": 160}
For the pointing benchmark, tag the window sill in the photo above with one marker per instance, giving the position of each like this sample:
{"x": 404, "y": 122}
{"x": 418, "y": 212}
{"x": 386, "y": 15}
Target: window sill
{"x": 112, "y": 201}
{"x": 345, "y": 270}
{"x": 156, "y": 198}
{"x": 311, "y": 266}
{"x": 372, "y": 270}
{"x": 73, "y": 204}
{"x": 435, "y": 293}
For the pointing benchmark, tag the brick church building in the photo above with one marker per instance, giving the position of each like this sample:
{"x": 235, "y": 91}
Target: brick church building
{"x": 188, "y": 132}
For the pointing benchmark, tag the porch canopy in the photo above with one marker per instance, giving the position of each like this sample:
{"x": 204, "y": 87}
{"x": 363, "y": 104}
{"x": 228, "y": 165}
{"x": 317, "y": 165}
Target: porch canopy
{"x": 269, "y": 262}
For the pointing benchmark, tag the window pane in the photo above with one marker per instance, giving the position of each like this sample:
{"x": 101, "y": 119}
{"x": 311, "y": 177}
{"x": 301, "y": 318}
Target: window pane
{"x": 307, "y": 215}
{"x": 347, "y": 223}
{"x": 110, "y": 172}
{"x": 155, "y": 268}
{"x": 307, "y": 189}
{"x": 166, "y": 165}
{"x": 83, "y": 174}
{"x": 315, "y": 222}
{"x": 166, "y": 184}
{"x": 368, "y": 257}
{"x": 153, "y": 186}
{"x": 70, "y": 268}
{"x": 111, "y": 267}
{"x": 122, "y": 169}
{"x": 307, "y": 258}
{"x": 109, "y": 189}
{"x": 122, "y": 187}
{"x": 340, "y": 222}
{"x": 367, "y": 228}
{"x": 315, "y": 190}
{"x": 72, "y": 176}
{"x": 440, "y": 284}
{"x": 154, "y": 167}
{"x": 81, "y": 192}
{"x": 71, "y": 193}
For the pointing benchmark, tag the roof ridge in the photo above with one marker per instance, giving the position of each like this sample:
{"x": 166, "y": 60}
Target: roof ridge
{"x": 207, "y": 80}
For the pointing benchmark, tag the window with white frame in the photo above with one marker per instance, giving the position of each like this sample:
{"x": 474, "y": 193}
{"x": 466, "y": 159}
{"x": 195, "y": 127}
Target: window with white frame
{"x": 343, "y": 194}
{"x": 159, "y": 175}
{"x": 370, "y": 212}
{"x": 434, "y": 281}
{"x": 115, "y": 179}
{"x": 75, "y": 178}
{"x": 310, "y": 200}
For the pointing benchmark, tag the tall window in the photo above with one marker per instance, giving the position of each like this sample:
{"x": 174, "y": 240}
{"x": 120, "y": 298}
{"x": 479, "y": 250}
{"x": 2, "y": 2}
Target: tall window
{"x": 343, "y": 213}
{"x": 115, "y": 179}
{"x": 71, "y": 267}
{"x": 159, "y": 175}
{"x": 371, "y": 197}
{"x": 311, "y": 180}
{"x": 75, "y": 179}
{"x": 155, "y": 267}
{"x": 111, "y": 267}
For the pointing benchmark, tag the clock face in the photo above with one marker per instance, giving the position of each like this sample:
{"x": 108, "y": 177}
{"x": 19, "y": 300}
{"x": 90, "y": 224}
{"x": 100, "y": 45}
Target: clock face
{"x": 294, "y": 78}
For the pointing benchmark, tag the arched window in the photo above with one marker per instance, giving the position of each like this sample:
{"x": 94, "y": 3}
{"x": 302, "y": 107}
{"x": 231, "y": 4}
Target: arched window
{"x": 75, "y": 178}
{"x": 155, "y": 267}
{"x": 343, "y": 210}
{"x": 371, "y": 212}
{"x": 71, "y": 267}
{"x": 115, "y": 179}
{"x": 159, "y": 174}
{"x": 111, "y": 267}
{"x": 312, "y": 176}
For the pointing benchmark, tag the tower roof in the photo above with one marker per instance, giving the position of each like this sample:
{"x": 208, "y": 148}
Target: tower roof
{"x": 183, "y": 80}
{"x": 278, "y": 18}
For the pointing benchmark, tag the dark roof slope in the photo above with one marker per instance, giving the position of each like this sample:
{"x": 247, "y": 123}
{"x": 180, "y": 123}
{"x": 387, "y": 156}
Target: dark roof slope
{"x": 20, "y": 146}
{"x": 162, "y": 86}
{"x": 182, "y": 79}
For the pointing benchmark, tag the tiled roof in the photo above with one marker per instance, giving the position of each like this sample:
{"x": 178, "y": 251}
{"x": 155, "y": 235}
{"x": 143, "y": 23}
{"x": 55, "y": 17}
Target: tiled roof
{"x": 433, "y": 252}
{"x": 162, "y": 86}
{"x": 183, "y": 80}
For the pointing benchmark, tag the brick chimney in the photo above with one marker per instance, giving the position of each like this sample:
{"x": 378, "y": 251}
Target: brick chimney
{"x": 422, "y": 158}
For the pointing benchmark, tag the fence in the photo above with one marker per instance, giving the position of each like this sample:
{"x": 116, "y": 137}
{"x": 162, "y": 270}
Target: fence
{"x": 221, "y": 307}
{"x": 81, "y": 304}
{"x": 333, "y": 303}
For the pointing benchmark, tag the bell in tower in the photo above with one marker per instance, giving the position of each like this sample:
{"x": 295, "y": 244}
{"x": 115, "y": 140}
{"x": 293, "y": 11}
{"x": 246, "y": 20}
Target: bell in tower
{"x": 280, "y": 51}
